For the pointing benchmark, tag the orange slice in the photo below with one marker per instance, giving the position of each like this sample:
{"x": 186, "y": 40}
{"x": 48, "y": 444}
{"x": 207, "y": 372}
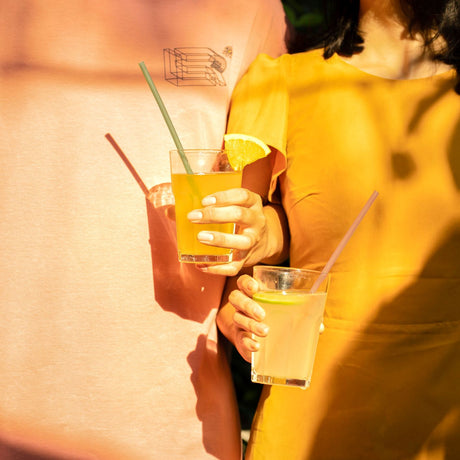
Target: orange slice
{"x": 243, "y": 150}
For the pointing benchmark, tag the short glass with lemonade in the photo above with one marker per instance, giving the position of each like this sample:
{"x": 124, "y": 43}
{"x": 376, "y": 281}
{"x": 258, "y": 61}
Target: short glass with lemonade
{"x": 294, "y": 314}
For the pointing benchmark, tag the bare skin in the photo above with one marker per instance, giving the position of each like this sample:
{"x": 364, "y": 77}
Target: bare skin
{"x": 389, "y": 51}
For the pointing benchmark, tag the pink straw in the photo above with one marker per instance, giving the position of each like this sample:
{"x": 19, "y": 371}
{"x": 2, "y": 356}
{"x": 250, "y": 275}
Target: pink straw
{"x": 344, "y": 241}
{"x": 125, "y": 159}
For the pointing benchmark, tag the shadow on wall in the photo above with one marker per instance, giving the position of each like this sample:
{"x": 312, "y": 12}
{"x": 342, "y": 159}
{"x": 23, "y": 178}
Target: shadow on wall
{"x": 210, "y": 372}
{"x": 179, "y": 287}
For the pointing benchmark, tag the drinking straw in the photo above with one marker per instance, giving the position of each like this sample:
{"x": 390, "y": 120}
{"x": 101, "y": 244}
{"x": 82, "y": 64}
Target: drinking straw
{"x": 344, "y": 241}
{"x": 128, "y": 164}
{"x": 165, "y": 114}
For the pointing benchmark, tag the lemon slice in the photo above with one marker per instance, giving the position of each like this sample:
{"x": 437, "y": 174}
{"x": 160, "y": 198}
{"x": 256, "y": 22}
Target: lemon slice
{"x": 243, "y": 150}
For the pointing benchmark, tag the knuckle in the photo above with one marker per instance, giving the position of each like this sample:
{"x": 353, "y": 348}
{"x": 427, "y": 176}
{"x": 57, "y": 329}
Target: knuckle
{"x": 238, "y": 319}
{"x": 247, "y": 305}
{"x": 210, "y": 213}
{"x": 246, "y": 194}
{"x": 242, "y": 281}
{"x": 238, "y": 213}
{"x": 233, "y": 298}
{"x": 218, "y": 239}
{"x": 251, "y": 238}
{"x": 249, "y": 343}
{"x": 258, "y": 200}
{"x": 253, "y": 325}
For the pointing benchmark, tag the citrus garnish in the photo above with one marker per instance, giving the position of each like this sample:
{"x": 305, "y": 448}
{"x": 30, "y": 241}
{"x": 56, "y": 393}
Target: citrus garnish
{"x": 243, "y": 150}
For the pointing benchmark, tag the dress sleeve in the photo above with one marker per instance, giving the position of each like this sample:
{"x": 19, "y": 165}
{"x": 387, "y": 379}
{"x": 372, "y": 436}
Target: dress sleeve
{"x": 259, "y": 108}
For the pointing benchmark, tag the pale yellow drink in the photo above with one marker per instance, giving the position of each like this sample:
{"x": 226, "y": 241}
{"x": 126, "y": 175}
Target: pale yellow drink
{"x": 287, "y": 354}
{"x": 189, "y": 190}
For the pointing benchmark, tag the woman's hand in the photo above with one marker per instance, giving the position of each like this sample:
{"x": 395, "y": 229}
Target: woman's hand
{"x": 252, "y": 241}
{"x": 245, "y": 209}
{"x": 247, "y": 318}
{"x": 240, "y": 318}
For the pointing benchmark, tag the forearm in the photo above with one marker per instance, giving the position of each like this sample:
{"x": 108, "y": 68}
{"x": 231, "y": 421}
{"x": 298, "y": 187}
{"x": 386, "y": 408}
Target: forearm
{"x": 277, "y": 235}
{"x": 225, "y": 314}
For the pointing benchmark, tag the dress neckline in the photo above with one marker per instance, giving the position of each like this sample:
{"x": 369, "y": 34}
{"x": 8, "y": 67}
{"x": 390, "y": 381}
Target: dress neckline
{"x": 441, "y": 75}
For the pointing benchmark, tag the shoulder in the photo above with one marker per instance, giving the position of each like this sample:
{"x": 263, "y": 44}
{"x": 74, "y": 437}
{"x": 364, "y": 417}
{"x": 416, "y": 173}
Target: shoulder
{"x": 281, "y": 74}
{"x": 290, "y": 67}
{"x": 306, "y": 64}
{"x": 309, "y": 60}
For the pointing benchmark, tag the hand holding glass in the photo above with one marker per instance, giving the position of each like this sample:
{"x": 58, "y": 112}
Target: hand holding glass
{"x": 211, "y": 173}
{"x": 294, "y": 314}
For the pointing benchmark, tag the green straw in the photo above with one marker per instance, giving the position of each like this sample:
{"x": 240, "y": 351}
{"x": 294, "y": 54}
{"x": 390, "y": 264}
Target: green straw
{"x": 168, "y": 121}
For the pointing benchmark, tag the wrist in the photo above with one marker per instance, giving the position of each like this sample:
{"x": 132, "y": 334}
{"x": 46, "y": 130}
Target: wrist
{"x": 275, "y": 236}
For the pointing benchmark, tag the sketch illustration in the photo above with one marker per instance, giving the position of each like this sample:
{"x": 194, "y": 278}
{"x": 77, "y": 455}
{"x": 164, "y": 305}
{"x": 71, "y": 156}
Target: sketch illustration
{"x": 193, "y": 66}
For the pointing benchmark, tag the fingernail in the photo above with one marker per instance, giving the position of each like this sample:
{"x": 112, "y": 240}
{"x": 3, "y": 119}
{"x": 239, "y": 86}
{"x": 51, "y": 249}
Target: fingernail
{"x": 262, "y": 329}
{"x": 208, "y": 200}
{"x": 259, "y": 312}
{"x": 195, "y": 215}
{"x": 205, "y": 236}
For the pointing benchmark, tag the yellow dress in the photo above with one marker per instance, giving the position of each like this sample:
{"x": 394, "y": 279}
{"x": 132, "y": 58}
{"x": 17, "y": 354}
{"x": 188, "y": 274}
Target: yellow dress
{"x": 386, "y": 381}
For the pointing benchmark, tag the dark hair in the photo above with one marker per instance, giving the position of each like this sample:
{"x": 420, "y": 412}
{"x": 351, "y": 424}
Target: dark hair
{"x": 336, "y": 31}
{"x": 442, "y": 17}
{"x": 339, "y": 31}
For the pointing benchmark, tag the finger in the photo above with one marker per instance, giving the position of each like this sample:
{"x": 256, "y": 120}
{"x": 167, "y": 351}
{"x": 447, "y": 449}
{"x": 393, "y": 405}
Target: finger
{"x": 235, "y": 196}
{"x": 227, "y": 269}
{"x": 241, "y": 242}
{"x": 247, "y": 284}
{"x": 248, "y": 342}
{"x": 246, "y": 345}
{"x": 250, "y": 325}
{"x": 246, "y": 305}
{"x": 225, "y": 214}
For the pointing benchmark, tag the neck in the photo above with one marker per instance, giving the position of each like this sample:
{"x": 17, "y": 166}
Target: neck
{"x": 389, "y": 50}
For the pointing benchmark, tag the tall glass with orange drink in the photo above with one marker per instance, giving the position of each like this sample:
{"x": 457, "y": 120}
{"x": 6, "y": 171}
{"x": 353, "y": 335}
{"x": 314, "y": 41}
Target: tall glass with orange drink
{"x": 211, "y": 172}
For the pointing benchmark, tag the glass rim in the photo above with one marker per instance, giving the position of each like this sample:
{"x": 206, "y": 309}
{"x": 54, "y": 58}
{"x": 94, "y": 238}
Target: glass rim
{"x": 210, "y": 151}
{"x": 280, "y": 271}
{"x": 287, "y": 269}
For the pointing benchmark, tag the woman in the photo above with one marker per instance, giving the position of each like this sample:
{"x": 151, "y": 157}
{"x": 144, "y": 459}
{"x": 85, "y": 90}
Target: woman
{"x": 377, "y": 107}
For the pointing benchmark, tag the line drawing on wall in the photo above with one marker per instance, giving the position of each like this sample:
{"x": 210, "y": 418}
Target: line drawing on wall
{"x": 194, "y": 66}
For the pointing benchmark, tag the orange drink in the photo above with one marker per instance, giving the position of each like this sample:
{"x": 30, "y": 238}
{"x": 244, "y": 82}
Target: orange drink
{"x": 211, "y": 173}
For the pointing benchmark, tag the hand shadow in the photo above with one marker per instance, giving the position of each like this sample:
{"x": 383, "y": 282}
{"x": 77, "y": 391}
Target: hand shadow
{"x": 211, "y": 376}
{"x": 179, "y": 287}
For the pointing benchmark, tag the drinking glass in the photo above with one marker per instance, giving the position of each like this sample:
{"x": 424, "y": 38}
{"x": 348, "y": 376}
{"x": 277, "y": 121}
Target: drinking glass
{"x": 294, "y": 315}
{"x": 211, "y": 172}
